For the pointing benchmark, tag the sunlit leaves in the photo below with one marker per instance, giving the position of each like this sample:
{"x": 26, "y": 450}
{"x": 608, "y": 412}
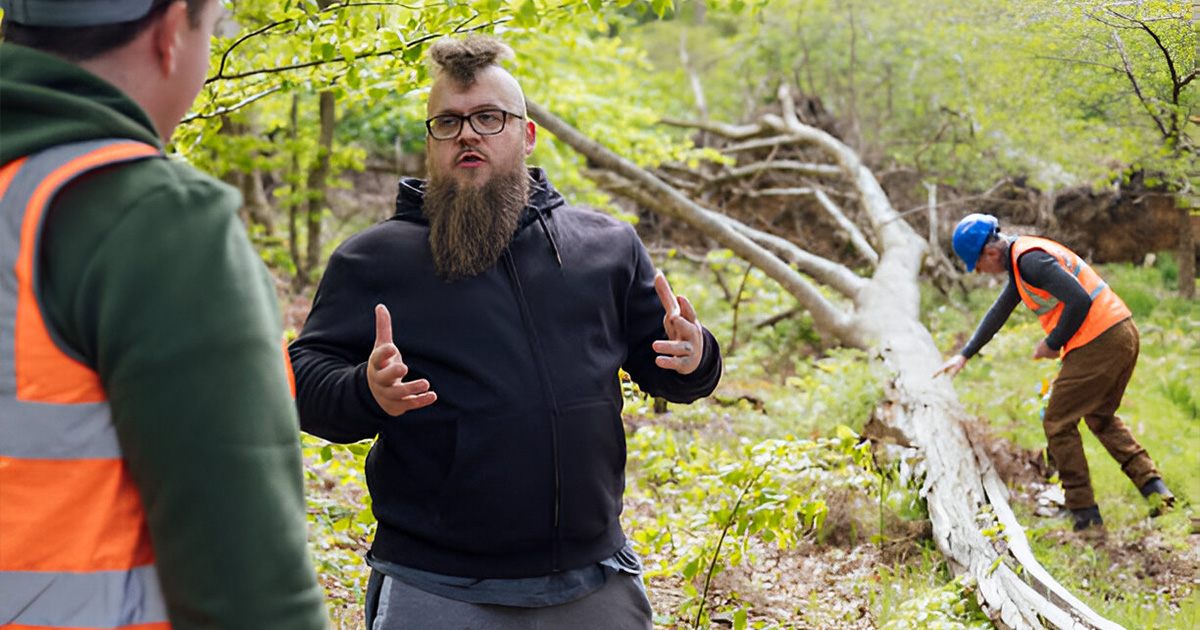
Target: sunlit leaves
{"x": 969, "y": 90}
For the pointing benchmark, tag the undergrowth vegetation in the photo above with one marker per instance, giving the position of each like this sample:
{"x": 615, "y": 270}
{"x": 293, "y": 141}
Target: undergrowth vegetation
{"x": 762, "y": 507}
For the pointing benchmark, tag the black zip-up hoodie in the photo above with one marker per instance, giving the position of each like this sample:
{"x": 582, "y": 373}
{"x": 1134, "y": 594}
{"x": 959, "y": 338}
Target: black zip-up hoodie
{"x": 518, "y": 469}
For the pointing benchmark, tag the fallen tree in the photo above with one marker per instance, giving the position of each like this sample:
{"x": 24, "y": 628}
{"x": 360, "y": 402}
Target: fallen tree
{"x": 784, "y": 158}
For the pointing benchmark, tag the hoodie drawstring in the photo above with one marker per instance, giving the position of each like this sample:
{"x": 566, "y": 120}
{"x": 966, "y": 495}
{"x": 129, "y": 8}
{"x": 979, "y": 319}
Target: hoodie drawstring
{"x": 549, "y": 236}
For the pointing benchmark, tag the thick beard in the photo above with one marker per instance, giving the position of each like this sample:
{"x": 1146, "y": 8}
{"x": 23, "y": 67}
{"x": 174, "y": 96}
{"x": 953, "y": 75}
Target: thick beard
{"x": 469, "y": 227}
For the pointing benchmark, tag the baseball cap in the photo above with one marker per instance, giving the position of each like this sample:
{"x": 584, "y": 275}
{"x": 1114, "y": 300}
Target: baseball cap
{"x": 75, "y": 13}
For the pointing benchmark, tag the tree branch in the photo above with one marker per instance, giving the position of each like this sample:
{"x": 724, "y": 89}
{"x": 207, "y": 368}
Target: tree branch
{"x": 856, "y": 235}
{"x": 756, "y": 168}
{"x": 1084, "y": 62}
{"x": 1137, "y": 89}
{"x": 366, "y": 55}
{"x": 733, "y": 132}
{"x": 823, "y": 270}
{"x": 221, "y": 111}
{"x": 827, "y": 319}
{"x": 762, "y": 143}
{"x": 273, "y": 25}
{"x": 893, "y": 235}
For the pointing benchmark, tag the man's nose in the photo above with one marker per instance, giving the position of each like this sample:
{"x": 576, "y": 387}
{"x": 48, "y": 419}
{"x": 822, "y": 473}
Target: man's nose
{"x": 468, "y": 133}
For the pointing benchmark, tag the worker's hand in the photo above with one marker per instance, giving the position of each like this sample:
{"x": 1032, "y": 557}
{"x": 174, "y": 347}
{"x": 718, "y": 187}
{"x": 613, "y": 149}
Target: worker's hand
{"x": 1042, "y": 351}
{"x": 684, "y": 346}
{"x": 953, "y": 366}
{"x": 385, "y": 369}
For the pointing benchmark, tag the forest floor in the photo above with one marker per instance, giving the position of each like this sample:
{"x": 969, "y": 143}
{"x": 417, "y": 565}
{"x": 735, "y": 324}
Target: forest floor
{"x": 837, "y": 583}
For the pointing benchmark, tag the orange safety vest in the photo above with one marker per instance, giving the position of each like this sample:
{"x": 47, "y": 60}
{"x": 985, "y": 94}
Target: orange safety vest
{"x": 1107, "y": 308}
{"x": 75, "y": 551}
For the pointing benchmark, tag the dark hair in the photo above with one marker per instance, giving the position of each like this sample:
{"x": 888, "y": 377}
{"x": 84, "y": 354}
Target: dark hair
{"x": 84, "y": 42}
{"x": 992, "y": 238}
{"x": 462, "y": 59}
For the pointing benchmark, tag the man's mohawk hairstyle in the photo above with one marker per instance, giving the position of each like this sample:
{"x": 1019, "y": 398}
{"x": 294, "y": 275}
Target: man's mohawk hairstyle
{"x": 462, "y": 59}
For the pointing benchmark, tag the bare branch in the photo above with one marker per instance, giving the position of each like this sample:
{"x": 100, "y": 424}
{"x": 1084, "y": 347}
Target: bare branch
{"x": 366, "y": 55}
{"x": 1084, "y": 62}
{"x": 856, "y": 235}
{"x": 221, "y": 111}
{"x": 781, "y": 192}
{"x": 1137, "y": 89}
{"x": 1176, "y": 87}
{"x": 763, "y": 143}
{"x": 827, "y": 318}
{"x": 693, "y": 76}
{"x": 756, "y": 168}
{"x": 733, "y": 132}
{"x": 277, "y": 24}
{"x": 893, "y": 235}
{"x": 825, "y": 271}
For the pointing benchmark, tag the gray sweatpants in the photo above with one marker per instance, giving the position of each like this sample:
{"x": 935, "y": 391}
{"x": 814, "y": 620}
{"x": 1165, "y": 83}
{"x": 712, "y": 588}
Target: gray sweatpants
{"x": 621, "y": 604}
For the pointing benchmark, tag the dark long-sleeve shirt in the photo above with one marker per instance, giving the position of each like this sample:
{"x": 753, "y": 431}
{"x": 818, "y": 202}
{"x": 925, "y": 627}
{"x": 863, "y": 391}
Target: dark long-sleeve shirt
{"x": 1040, "y": 270}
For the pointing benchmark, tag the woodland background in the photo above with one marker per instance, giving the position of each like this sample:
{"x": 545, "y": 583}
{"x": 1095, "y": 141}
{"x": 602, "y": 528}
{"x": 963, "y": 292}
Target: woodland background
{"x": 778, "y": 157}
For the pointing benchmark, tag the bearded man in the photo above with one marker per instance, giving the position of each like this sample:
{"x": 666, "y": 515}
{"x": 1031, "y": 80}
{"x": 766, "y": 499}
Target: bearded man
{"x": 498, "y": 497}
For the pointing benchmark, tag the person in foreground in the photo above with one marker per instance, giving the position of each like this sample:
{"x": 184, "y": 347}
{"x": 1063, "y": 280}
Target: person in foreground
{"x": 1088, "y": 325}
{"x": 479, "y": 333}
{"x": 150, "y": 467}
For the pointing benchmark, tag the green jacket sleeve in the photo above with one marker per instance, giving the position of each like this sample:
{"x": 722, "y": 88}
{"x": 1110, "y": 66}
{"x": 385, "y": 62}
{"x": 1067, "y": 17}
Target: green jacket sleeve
{"x": 150, "y": 275}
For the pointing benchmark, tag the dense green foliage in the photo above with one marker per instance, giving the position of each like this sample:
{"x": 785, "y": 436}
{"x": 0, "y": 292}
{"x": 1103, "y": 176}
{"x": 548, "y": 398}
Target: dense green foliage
{"x": 964, "y": 92}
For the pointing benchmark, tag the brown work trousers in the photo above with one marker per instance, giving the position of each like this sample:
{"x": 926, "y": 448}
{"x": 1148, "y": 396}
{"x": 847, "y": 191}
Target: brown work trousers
{"x": 1090, "y": 386}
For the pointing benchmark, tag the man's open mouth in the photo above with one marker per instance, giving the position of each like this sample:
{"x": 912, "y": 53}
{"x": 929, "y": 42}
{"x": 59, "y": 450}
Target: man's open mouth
{"x": 470, "y": 159}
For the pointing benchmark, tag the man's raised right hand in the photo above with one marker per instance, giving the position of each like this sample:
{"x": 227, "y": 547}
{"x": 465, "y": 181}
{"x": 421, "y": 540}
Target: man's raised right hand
{"x": 385, "y": 371}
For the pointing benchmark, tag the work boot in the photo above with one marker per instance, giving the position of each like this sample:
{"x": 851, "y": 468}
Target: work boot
{"x": 1086, "y": 517}
{"x": 1161, "y": 499}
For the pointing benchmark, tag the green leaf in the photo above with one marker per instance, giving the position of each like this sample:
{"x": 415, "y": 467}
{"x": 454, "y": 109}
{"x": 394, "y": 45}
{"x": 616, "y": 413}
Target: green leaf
{"x": 527, "y": 15}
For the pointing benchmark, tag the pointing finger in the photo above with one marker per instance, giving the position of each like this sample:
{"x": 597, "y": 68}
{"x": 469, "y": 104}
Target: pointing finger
{"x": 383, "y": 325}
{"x": 669, "y": 301}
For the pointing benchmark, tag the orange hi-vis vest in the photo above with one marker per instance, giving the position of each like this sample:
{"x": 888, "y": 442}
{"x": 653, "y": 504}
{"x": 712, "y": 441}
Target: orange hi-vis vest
{"x": 75, "y": 551}
{"x": 1107, "y": 308}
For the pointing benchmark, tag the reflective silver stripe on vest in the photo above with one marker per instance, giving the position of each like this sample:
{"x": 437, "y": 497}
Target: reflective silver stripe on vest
{"x": 12, "y": 214}
{"x": 97, "y": 599}
{"x": 1045, "y": 305}
{"x": 1100, "y": 287}
{"x": 32, "y": 429}
{"x": 39, "y": 431}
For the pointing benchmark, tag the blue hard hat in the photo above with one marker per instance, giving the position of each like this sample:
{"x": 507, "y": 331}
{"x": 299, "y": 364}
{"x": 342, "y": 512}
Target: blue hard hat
{"x": 970, "y": 235}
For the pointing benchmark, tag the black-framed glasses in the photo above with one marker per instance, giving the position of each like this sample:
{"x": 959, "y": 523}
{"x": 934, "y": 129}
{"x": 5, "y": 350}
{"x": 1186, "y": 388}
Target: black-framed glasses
{"x": 488, "y": 122}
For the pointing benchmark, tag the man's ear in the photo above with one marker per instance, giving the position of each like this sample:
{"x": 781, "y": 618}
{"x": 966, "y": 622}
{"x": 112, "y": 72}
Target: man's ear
{"x": 167, "y": 36}
{"x": 530, "y": 137}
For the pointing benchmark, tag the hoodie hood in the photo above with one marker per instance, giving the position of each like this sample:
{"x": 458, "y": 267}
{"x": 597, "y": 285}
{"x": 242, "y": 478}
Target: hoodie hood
{"x": 543, "y": 198}
{"x": 46, "y": 101}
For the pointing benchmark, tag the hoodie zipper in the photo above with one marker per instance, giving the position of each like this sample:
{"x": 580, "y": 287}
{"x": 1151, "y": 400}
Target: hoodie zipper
{"x": 535, "y": 347}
